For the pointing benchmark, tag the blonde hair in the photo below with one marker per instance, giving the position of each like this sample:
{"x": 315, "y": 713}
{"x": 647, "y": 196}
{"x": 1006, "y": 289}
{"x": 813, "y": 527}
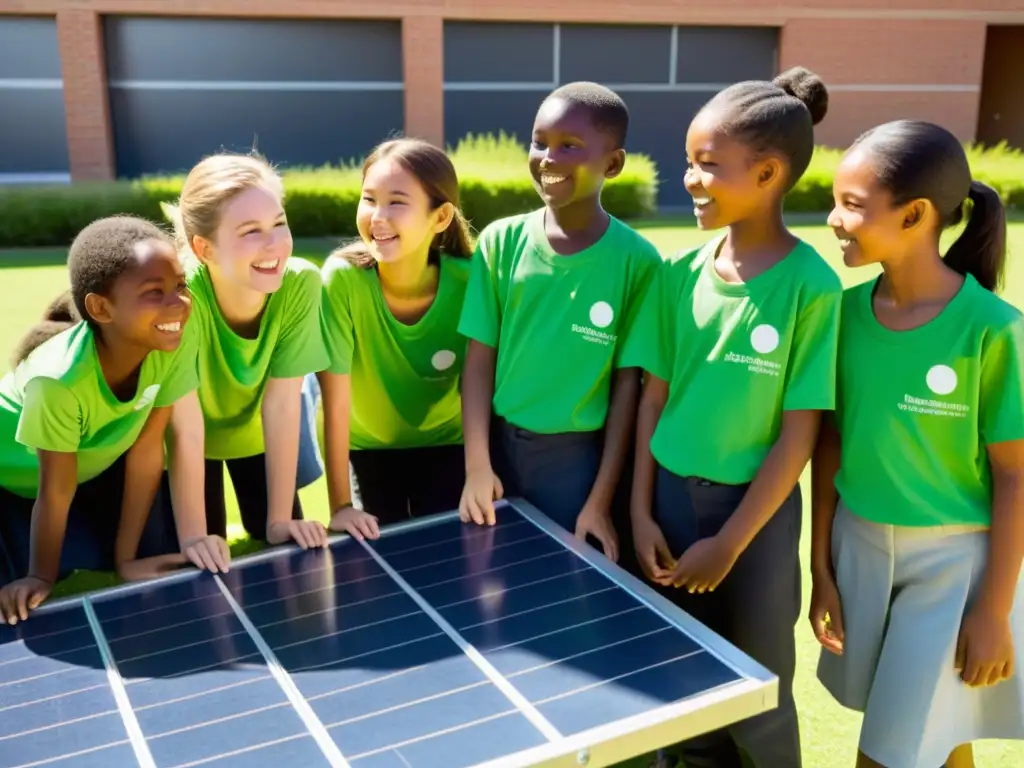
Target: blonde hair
{"x": 212, "y": 183}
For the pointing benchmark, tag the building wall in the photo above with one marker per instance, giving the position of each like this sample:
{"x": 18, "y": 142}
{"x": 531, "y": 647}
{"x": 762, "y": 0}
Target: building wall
{"x": 923, "y": 58}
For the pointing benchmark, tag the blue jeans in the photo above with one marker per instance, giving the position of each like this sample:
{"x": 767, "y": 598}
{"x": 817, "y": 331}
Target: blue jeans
{"x": 311, "y": 463}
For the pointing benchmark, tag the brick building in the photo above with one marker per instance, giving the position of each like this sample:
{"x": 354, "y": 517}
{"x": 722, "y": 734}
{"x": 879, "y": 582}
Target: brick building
{"x": 94, "y": 89}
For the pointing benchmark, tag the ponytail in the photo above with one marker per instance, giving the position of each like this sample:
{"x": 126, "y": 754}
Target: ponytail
{"x": 58, "y": 317}
{"x": 980, "y": 251}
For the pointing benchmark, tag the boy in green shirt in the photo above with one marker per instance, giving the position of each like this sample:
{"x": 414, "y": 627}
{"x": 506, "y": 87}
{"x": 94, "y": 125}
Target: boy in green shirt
{"x": 551, "y": 299}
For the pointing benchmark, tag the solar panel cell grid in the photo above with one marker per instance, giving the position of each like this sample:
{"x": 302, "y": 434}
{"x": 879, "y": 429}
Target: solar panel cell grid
{"x": 440, "y": 645}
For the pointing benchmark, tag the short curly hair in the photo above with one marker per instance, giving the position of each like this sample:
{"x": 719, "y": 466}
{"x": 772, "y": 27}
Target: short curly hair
{"x": 607, "y": 110}
{"x": 103, "y": 251}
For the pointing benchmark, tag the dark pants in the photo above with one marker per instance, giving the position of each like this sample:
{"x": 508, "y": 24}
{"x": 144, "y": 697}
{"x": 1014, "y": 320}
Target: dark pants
{"x": 756, "y": 608}
{"x": 91, "y": 532}
{"x": 556, "y": 472}
{"x": 249, "y": 479}
{"x": 397, "y": 484}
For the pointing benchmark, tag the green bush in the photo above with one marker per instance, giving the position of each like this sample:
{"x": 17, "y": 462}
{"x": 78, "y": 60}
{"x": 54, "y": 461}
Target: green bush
{"x": 999, "y": 166}
{"x": 320, "y": 202}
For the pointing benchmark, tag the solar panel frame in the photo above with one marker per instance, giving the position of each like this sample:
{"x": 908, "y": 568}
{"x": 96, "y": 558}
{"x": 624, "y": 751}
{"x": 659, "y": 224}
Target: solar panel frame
{"x": 755, "y": 692}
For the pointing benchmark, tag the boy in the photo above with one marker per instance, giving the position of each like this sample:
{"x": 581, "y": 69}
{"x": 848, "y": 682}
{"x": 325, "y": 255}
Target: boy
{"x": 551, "y": 298}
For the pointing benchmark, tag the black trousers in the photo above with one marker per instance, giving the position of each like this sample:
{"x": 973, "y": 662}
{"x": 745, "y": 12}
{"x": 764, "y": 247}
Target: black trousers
{"x": 756, "y": 608}
{"x": 556, "y": 472}
{"x": 397, "y": 484}
{"x": 91, "y": 532}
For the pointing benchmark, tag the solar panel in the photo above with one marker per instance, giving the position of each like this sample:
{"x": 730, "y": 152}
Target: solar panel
{"x": 440, "y": 645}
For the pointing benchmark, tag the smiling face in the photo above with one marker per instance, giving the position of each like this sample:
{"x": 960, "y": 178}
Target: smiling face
{"x": 396, "y": 217}
{"x": 570, "y": 157}
{"x": 727, "y": 182}
{"x": 870, "y": 227}
{"x": 149, "y": 303}
{"x": 252, "y": 242}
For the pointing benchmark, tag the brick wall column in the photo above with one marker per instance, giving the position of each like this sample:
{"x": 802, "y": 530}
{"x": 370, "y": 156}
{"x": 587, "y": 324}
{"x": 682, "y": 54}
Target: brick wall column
{"x": 423, "y": 68}
{"x": 86, "y": 107}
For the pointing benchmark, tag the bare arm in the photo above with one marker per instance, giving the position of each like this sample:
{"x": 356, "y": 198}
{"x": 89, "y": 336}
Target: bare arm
{"x": 144, "y": 465}
{"x": 477, "y": 394}
{"x": 775, "y": 479}
{"x": 824, "y": 497}
{"x": 336, "y": 392}
{"x": 58, "y": 481}
{"x": 618, "y": 429}
{"x": 1006, "y": 537}
{"x": 652, "y": 403}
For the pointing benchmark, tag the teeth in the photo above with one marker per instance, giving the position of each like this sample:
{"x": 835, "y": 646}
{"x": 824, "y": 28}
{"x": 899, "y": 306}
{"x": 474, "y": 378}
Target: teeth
{"x": 170, "y": 327}
{"x": 267, "y": 264}
{"x": 844, "y": 242}
{"x": 384, "y": 238}
{"x": 701, "y": 201}
{"x": 548, "y": 178}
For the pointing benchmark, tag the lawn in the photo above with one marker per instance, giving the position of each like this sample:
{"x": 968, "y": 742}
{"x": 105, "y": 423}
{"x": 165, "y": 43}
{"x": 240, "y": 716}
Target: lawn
{"x": 31, "y": 278}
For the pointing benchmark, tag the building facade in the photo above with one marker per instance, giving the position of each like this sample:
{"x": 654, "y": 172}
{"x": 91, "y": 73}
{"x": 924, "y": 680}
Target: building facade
{"x": 99, "y": 89}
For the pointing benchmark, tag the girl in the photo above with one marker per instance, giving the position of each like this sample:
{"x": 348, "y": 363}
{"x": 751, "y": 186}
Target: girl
{"x": 919, "y": 481}
{"x": 391, "y": 313}
{"x": 83, "y": 416}
{"x": 257, "y": 313}
{"x": 738, "y": 345}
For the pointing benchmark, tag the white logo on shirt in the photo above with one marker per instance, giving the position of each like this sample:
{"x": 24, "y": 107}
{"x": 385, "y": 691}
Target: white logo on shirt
{"x": 941, "y": 379}
{"x": 148, "y": 396}
{"x": 443, "y": 360}
{"x": 764, "y": 339}
{"x": 602, "y": 314}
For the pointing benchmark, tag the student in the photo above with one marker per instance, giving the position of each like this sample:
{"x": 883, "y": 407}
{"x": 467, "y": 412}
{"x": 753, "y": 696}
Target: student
{"x": 738, "y": 343}
{"x": 919, "y": 480}
{"x": 391, "y": 312}
{"x": 551, "y": 298}
{"x": 257, "y": 309}
{"x": 83, "y": 416}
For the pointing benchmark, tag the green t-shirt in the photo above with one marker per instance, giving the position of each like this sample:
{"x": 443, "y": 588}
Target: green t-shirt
{"x": 735, "y": 356}
{"x": 57, "y": 400}
{"x": 233, "y": 371}
{"x": 558, "y": 322}
{"x": 916, "y": 408}
{"x": 404, "y": 378}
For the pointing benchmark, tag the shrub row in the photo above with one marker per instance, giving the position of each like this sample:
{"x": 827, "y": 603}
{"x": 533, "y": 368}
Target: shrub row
{"x": 999, "y": 166}
{"x": 492, "y": 171}
{"x": 493, "y": 180}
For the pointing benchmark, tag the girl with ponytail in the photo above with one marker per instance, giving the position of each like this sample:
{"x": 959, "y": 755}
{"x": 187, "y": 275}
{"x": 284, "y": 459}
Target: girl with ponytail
{"x": 391, "y": 309}
{"x": 918, "y": 476}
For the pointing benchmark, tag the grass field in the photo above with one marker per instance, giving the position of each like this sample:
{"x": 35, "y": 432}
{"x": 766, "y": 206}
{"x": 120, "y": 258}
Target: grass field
{"x": 31, "y": 278}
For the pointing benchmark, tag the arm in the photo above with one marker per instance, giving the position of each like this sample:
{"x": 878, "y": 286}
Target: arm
{"x": 58, "y": 480}
{"x": 144, "y": 464}
{"x": 1006, "y": 537}
{"x": 336, "y": 393}
{"x": 824, "y": 497}
{"x": 281, "y": 411}
{"x": 477, "y": 386}
{"x": 186, "y": 438}
{"x": 651, "y": 548}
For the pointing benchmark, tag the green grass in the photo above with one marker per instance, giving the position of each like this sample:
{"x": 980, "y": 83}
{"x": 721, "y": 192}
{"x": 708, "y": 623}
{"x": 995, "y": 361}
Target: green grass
{"x": 829, "y": 732}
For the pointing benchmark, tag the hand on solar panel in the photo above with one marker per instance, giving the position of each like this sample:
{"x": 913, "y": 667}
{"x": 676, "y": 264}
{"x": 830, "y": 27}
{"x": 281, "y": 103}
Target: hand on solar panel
{"x": 598, "y": 523}
{"x": 984, "y": 649}
{"x": 482, "y": 489}
{"x": 652, "y": 551}
{"x": 308, "y": 534}
{"x": 355, "y": 522}
{"x": 21, "y": 596}
{"x": 826, "y": 613}
{"x": 207, "y": 553}
{"x": 705, "y": 564}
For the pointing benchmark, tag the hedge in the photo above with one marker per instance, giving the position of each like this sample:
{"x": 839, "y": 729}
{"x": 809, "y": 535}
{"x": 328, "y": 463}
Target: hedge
{"x": 999, "y": 166}
{"x": 492, "y": 172}
{"x": 493, "y": 181}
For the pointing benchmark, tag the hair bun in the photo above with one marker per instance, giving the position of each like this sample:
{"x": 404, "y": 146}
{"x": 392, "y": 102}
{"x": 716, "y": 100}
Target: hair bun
{"x": 808, "y": 87}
